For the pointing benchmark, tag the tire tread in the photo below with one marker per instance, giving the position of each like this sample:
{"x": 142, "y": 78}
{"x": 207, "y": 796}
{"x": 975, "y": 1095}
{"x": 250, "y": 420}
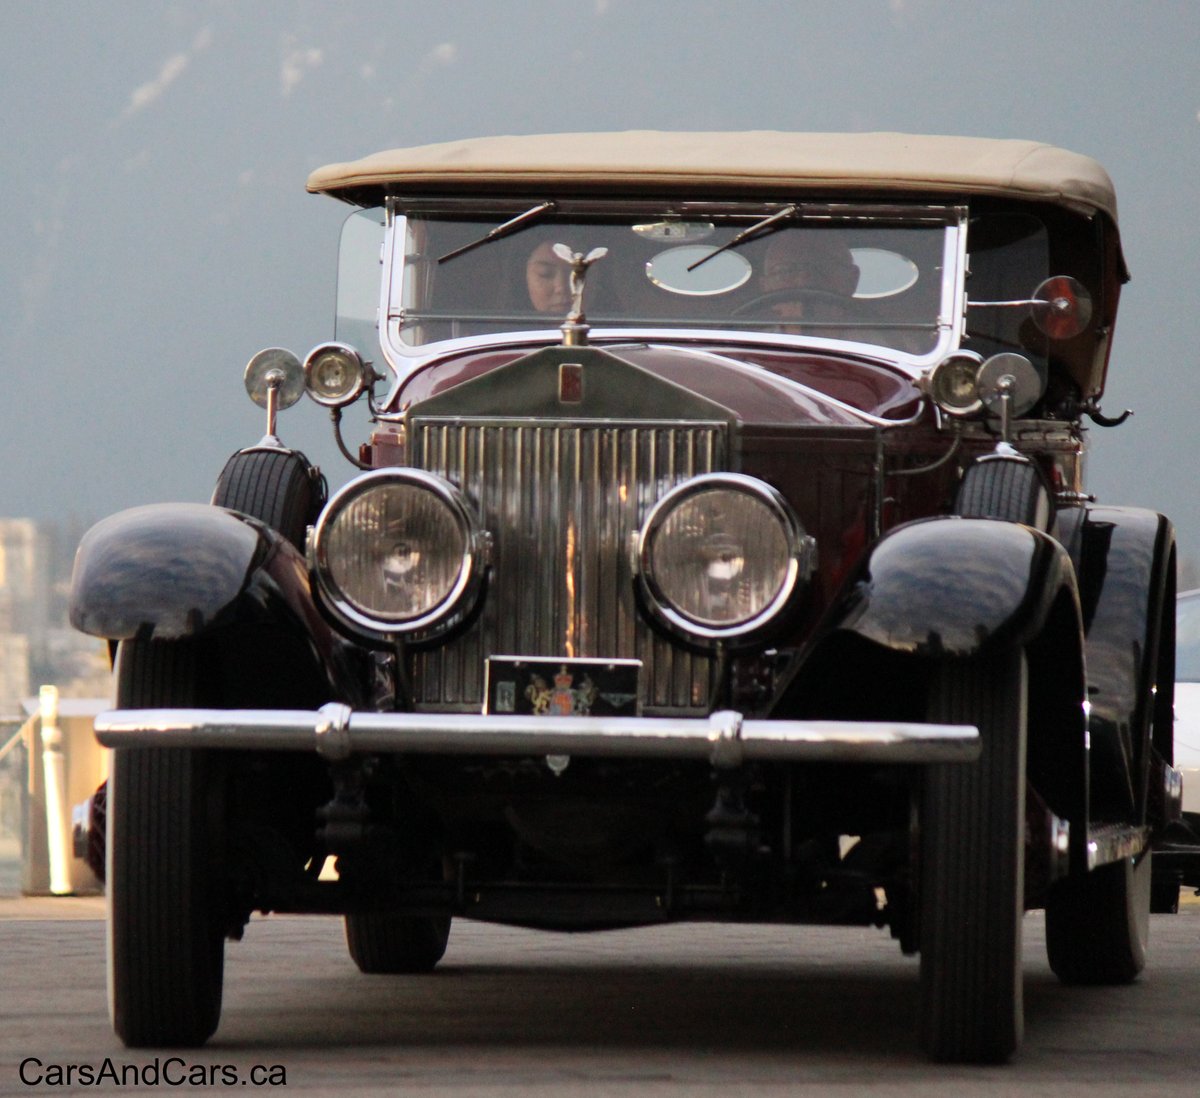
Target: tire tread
{"x": 972, "y": 871}
{"x": 381, "y": 942}
{"x": 166, "y": 959}
{"x": 1001, "y": 489}
{"x": 276, "y": 487}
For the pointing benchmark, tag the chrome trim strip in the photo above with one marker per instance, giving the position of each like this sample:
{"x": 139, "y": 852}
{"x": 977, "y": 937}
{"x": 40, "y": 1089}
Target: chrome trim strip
{"x": 405, "y": 362}
{"x": 333, "y": 731}
{"x": 1109, "y": 843}
{"x": 724, "y": 738}
{"x": 904, "y": 213}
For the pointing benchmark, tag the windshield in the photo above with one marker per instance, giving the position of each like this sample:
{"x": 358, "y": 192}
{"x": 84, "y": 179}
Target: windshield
{"x": 358, "y": 280}
{"x": 876, "y": 281}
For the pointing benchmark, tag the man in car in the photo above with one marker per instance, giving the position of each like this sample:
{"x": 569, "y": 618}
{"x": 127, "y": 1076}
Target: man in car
{"x": 813, "y": 274}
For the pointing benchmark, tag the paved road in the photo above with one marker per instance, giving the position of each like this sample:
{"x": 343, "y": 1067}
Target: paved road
{"x": 681, "y": 1010}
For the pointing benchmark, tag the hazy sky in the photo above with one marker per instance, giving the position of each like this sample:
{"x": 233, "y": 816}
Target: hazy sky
{"x": 156, "y": 232}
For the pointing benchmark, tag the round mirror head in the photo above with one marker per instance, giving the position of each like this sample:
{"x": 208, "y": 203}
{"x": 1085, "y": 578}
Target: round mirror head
{"x": 266, "y": 363}
{"x": 688, "y": 270}
{"x": 1062, "y": 307}
{"x": 1012, "y": 374}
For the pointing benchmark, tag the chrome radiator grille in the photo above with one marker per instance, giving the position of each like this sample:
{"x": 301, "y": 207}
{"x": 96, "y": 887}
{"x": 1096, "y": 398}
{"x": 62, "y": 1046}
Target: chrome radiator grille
{"x": 563, "y": 502}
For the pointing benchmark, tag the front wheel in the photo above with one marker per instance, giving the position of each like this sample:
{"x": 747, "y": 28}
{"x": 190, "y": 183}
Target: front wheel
{"x": 972, "y": 867}
{"x": 165, "y": 927}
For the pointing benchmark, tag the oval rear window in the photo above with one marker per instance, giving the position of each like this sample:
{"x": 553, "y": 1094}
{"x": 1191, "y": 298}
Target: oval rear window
{"x": 883, "y": 273}
{"x": 669, "y": 270}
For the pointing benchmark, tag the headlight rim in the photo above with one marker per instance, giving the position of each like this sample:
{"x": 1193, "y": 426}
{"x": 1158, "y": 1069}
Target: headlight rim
{"x": 933, "y": 384}
{"x": 357, "y": 362}
{"x": 448, "y": 611}
{"x": 801, "y": 557}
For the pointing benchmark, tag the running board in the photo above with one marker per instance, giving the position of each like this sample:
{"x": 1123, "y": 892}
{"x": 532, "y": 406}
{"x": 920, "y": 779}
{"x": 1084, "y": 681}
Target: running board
{"x": 1107, "y": 843}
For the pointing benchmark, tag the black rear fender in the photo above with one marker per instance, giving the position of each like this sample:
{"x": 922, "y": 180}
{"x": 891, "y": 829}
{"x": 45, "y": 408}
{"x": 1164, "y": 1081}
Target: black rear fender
{"x": 1126, "y": 563}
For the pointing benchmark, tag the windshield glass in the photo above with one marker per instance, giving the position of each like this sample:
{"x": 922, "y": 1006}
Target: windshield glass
{"x": 877, "y": 282}
{"x": 358, "y": 280}
{"x": 1009, "y": 259}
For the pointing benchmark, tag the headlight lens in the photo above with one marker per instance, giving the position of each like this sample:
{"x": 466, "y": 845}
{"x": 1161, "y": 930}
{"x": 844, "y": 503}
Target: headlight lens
{"x": 953, "y": 384}
{"x": 721, "y": 555}
{"x": 398, "y": 551}
{"x": 335, "y": 374}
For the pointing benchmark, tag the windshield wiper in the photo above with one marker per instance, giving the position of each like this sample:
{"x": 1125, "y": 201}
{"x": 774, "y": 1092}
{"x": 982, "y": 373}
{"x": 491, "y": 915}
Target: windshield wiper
{"x": 507, "y": 229}
{"x": 747, "y": 233}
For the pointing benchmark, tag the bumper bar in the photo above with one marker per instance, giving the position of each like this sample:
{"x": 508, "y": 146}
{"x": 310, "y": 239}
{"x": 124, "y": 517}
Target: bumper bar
{"x": 725, "y": 738}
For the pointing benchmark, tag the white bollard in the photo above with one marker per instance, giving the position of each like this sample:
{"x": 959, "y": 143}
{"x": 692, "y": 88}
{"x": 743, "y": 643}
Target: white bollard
{"x": 58, "y": 839}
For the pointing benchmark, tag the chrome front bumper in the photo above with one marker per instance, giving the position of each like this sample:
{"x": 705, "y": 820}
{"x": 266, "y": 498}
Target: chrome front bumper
{"x": 725, "y": 738}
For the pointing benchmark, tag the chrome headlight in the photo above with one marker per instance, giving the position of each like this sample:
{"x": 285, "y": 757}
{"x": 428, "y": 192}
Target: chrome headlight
{"x": 953, "y": 384}
{"x": 399, "y": 552}
{"x": 335, "y": 374}
{"x": 720, "y": 556}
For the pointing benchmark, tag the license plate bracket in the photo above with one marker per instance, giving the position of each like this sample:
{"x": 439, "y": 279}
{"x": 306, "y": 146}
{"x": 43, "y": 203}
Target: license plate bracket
{"x": 538, "y": 686}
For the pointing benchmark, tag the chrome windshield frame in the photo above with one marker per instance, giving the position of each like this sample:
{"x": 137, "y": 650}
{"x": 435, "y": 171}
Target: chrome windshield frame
{"x": 403, "y": 358}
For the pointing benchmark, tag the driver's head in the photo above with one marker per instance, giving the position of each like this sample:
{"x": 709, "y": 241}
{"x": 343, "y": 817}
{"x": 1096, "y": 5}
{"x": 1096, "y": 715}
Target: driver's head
{"x": 548, "y": 281}
{"x": 809, "y": 260}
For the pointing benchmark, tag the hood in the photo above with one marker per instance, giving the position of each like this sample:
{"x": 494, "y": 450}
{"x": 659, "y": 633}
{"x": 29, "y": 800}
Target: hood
{"x": 755, "y": 386}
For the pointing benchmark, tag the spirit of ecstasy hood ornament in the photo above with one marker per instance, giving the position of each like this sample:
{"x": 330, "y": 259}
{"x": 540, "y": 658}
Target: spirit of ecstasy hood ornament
{"x": 575, "y": 327}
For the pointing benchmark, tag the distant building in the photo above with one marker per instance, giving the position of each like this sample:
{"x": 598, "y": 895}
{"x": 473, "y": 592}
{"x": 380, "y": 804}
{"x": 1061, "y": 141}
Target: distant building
{"x": 36, "y": 643}
{"x": 14, "y": 672}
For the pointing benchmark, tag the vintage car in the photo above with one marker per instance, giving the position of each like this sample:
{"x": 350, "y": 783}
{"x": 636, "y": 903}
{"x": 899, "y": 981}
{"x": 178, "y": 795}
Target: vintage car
{"x": 1177, "y": 849}
{"x": 1187, "y": 697}
{"x": 719, "y": 551}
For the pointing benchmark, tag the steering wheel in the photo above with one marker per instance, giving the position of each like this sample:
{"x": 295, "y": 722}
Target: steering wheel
{"x": 797, "y": 293}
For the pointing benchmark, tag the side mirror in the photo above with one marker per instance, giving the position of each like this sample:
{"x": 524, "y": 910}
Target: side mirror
{"x": 1061, "y": 306}
{"x": 274, "y": 380}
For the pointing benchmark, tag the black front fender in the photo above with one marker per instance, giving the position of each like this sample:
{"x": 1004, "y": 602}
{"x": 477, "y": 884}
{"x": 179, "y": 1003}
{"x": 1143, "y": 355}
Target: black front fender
{"x": 165, "y": 571}
{"x": 176, "y": 570}
{"x": 954, "y": 586}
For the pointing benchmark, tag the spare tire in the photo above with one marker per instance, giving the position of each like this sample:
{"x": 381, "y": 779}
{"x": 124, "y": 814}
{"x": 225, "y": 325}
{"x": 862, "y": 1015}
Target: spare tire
{"x": 1009, "y": 488}
{"x": 277, "y": 486}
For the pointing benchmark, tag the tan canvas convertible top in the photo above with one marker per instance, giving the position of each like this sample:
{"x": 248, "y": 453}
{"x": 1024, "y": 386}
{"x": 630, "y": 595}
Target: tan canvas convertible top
{"x": 762, "y": 160}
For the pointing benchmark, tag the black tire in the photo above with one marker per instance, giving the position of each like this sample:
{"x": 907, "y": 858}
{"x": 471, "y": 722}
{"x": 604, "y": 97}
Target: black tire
{"x": 165, "y": 925}
{"x": 94, "y": 856}
{"x": 382, "y": 943}
{"x": 972, "y": 868}
{"x": 1011, "y": 489}
{"x": 1098, "y": 923}
{"x": 1164, "y": 894}
{"x": 279, "y": 487}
